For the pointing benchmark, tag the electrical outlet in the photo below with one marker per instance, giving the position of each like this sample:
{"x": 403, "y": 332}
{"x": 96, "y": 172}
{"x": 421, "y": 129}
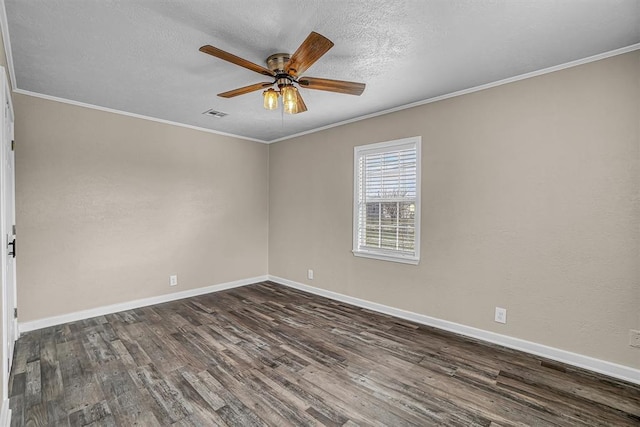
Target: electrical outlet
{"x": 310, "y": 274}
{"x": 501, "y": 315}
{"x": 173, "y": 280}
{"x": 634, "y": 338}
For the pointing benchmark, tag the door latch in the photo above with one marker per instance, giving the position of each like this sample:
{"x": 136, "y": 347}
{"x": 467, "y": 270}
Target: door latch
{"x": 13, "y": 248}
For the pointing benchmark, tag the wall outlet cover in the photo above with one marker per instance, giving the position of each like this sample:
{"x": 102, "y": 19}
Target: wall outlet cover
{"x": 310, "y": 274}
{"x": 173, "y": 280}
{"x": 501, "y": 315}
{"x": 634, "y": 338}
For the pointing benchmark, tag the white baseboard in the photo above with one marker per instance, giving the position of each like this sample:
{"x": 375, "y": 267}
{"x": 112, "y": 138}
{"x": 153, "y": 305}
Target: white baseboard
{"x": 114, "y": 308}
{"x": 596, "y": 365}
{"x": 5, "y": 414}
{"x": 586, "y": 362}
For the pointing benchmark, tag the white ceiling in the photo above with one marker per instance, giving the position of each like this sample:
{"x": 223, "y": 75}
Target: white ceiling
{"x": 141, "y": 56}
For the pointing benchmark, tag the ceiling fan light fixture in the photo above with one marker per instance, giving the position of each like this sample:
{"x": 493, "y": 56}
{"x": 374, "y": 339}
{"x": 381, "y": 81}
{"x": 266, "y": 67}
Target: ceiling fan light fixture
{"x": 284, "y": 70}
{"x": 270, "y": 99}
{"x": 289, "y": 99}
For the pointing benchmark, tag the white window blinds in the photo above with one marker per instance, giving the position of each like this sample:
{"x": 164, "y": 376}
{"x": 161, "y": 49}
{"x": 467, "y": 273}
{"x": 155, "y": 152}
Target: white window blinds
{"x": 386, "y": 200}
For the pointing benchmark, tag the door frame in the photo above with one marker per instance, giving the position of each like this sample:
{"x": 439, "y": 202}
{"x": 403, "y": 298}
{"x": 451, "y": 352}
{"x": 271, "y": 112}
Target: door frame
{"x": 9, "y": 297}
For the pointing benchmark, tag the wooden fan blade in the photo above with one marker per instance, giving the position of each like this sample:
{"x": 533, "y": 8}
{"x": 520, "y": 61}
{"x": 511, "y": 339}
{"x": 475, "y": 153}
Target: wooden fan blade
{"x": 314, "y": 46}
{"x": 246, "y": 89}
{"x": 229, "y": 57}
{"x": 301, "y": 105}
{"x": 340, "y": 86}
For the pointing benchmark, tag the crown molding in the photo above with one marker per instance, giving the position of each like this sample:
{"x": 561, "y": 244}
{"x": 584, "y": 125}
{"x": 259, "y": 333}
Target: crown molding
{"x": 508, "y": 80}
{"x": 134, "y": 115}
{"x": 571, "y": 64}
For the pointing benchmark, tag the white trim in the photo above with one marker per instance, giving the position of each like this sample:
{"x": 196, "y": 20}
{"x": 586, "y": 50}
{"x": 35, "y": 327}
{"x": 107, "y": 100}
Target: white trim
{"x": 467, "y": 91}
{"x": 129, "y": 305}
{"x": 137, "y": 116}
{"x": 414, "y": 142}
{"x": 585, "y": 362}
{"x": 403, "y": 259}
{"x": 4, "y": 26}
{"x": 7, "y": 217}
{"x": 531, "y": 74}
{"x": 5, "y": 412}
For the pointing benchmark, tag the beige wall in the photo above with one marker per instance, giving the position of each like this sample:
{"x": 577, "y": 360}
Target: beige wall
{"x": 109, "y": 206}
{"x": 530, "y": 202}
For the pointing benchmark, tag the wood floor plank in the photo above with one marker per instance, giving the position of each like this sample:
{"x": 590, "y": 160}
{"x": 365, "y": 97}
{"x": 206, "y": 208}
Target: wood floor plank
{"x": 212, "y": 399}
{"x": 315, "y": 396}
{"x": 33, "y": 388}
{"x": 576, "y": 412}
{"x": 269, "y": 355}
{"x": 568, "y": 386}
{"x": 56, "y": 412}
{"x": 52, "y": 386}
{"x": 36, "y": 415}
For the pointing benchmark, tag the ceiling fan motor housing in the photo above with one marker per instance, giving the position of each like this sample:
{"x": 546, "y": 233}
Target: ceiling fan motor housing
{"x": 277, "y": 62}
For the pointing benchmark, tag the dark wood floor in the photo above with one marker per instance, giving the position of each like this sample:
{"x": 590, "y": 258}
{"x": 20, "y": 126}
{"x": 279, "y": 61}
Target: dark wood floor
{"x": 269, "y": 355}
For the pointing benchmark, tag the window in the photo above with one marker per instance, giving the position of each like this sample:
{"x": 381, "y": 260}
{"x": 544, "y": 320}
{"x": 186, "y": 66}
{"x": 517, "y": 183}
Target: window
{"x": 386, "y": 206}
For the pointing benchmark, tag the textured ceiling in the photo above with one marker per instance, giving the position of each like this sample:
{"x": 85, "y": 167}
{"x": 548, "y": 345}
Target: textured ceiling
{"x": 141, "y": 56}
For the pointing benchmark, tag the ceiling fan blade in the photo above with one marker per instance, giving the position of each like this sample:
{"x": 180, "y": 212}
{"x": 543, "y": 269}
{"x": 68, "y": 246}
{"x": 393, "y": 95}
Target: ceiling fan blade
{"x": 314, "y": 46}
{"x": 340, "y": 86}
{"x": 229, "y": 57}
{"x": 301, "y": 105}
{"x": 246, "y": 89}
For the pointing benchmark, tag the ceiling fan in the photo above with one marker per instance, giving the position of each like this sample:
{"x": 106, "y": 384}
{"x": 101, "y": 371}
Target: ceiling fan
{"x": 285, "y": 69}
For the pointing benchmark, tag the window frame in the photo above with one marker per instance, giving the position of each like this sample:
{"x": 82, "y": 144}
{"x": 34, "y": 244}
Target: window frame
{"x": 381, "y": 147}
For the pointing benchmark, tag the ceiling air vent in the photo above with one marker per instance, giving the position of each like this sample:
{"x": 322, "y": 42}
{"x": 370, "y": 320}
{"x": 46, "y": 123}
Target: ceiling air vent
{"x": 214, "y": 113}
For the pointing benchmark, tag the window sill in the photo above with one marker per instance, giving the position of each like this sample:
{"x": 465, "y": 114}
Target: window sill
{"x": 386, "y": 257}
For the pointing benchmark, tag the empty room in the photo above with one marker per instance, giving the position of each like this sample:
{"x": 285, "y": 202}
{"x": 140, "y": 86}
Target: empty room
{"x": 320, "y": 213}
